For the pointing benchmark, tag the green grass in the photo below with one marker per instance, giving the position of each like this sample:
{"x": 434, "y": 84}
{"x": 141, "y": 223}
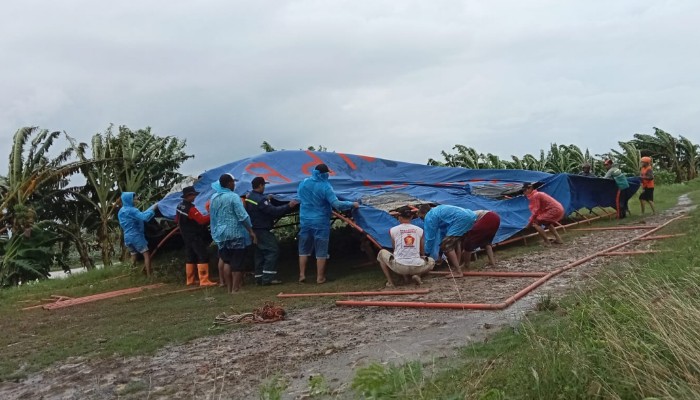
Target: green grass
{"x": 35, "y": 339}
{"x": 631, "y": 334}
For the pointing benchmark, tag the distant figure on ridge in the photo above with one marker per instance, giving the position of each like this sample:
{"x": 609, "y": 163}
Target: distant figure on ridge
{"x": 647, "y": 175}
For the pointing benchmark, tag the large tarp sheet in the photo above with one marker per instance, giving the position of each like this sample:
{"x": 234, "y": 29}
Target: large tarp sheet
{"x": 381, "y": 185}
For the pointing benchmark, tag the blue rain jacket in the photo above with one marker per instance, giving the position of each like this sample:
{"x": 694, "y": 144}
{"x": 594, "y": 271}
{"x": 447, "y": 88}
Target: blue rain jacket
{"x": 317, "y": 199}
{"x": 445, "y": 220}
{"x": 228, "y": 218}
{"x": 132, "y": 220}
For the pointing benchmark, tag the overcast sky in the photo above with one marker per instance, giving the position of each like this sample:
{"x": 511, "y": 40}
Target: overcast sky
{"x": 400, "y": 79}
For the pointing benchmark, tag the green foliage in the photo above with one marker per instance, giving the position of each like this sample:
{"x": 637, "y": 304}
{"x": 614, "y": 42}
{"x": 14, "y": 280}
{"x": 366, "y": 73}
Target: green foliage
{"x": 679, "y": 156}
{"x": 28, "y": 256}
{"x": 663, "y": 177}
{"x": 318, "y": 386}
{"x": 273, "y": 388}
{"x": 630, "y": 335}
{"x": 376, "y": 381}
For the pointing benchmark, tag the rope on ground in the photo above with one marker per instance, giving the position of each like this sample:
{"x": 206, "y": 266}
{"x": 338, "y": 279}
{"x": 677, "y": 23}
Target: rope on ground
{"x": 270, "y": 312}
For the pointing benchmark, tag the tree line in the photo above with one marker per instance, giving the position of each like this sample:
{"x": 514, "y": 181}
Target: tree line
{"x": 676, "y": 159}
{"x": 45, "y": 217}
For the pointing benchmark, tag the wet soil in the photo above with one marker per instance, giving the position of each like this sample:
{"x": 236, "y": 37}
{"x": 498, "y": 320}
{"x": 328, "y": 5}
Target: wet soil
{"x": 329, "y": 340}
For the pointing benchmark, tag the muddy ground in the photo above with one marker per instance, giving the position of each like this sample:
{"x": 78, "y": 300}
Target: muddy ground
{"x": 327, "y": 340}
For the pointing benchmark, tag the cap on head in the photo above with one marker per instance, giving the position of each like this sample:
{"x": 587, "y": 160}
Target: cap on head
{"x": 322, "y": 168}
{"x": 188, "y": 190}
{"x": 258, "y": 181}
{"x": 226, "y": 179}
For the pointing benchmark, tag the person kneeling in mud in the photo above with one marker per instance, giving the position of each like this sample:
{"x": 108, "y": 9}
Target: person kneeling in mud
{"x": 545, "y": 211}
{"x": 481, "y": 236}
{"x": 408, "y": 259}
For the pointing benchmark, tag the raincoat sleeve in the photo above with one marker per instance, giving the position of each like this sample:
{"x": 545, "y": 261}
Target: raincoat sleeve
{"x": 430, "y": 230}
{"x": 144, "y": 216}
{"x": 240, "y": 213}
{"x": 334, "y": 202}
{"x": 195, "y": 215}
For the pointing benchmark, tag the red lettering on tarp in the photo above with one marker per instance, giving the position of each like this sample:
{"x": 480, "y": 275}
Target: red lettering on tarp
{"x": 367, "y": 158}
{"x": 348, "y": 161}
{"x": 306, "y": 168}
{"x": 269, "y": 173}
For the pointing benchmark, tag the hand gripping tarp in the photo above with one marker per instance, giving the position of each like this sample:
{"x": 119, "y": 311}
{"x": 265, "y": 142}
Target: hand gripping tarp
{"x": 382, "y": 185}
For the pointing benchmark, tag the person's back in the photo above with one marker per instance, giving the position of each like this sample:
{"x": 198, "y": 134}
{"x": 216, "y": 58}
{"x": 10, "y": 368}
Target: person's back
{"x": 618, "y": 176}
{"x": 131, "y": 219}
{"x": 455, "y": 220}
{"x": 317, "y": 200}
{"x": 647, "y": 176}
{"x": 407, "y": 239}
{"x": 227, "y": 216}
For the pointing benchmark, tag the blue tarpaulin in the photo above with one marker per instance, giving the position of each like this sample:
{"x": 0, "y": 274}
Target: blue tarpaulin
{"x": 381, "y": 185}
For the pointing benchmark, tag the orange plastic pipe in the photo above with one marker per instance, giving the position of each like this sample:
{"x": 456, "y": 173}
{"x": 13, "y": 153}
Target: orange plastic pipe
{"x": 617, "y": 228}
{"x": 662, "y": 236}
{"x": 165, "y": 239}
{"x": 99, "y": 296}
{"x": 524, "y": 237}
{"x": 359, "y": 229}
{"x": 629, "y": 253}
{"x": 418, "y": 304}
{"x": 382, "y": 293}
{"x": 503, "y": 274}
{"x": 509, "y": 301}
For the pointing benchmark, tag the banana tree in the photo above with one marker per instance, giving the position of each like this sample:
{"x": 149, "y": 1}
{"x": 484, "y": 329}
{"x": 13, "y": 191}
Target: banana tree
{"x": 688, "y": 157}
{"x": 663, "y": 147}
{"x": 628, "y": 160}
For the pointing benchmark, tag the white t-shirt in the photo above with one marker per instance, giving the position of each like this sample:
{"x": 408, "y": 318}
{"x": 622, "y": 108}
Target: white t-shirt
{"x": 407, "y": 238}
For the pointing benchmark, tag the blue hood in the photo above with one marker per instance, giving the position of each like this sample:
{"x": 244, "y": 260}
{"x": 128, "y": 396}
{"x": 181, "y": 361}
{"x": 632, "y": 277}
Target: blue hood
{"x": 127, "y": 199}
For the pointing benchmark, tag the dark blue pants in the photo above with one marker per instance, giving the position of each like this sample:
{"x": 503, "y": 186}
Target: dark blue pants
{"x": 266, "y": 254}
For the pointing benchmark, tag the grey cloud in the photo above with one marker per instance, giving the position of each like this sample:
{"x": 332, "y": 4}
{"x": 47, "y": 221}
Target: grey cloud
{"x": 400, "y": 80}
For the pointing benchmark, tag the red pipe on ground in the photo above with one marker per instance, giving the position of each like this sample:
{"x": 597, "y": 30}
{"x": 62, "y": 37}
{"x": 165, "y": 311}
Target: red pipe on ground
{"x": 502, "y": 274}
{"x": 662, "y": 236}
{"x": 617, "y": 228}
{"x": 629, "y": 253}
{"x": 381, "y": 293}
{"x": 524, "y": 237}
{"x": 509, "y": 301}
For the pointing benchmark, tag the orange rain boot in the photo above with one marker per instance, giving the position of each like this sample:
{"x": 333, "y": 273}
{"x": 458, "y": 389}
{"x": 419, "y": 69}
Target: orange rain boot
{"x": 189, "y": 271}
{"x": 204, "y": 275}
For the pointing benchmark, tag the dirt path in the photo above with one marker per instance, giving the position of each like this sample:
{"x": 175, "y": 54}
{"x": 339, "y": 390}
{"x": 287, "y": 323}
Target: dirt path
{"x": 325, "y": 340}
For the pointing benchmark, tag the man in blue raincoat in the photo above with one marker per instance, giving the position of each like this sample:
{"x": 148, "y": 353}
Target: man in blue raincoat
{"x": 132, "y": 222}
{"x": 317, "y": 201}
{"x": 230, "y": 229}
{"x": 446, "y": 225}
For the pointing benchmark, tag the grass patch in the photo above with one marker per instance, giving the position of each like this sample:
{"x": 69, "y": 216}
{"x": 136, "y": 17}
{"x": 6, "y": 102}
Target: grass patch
{"x": 37, "y": 338}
